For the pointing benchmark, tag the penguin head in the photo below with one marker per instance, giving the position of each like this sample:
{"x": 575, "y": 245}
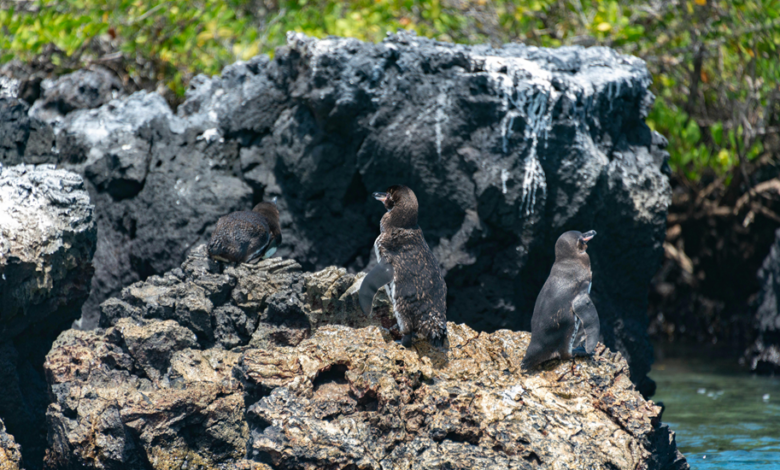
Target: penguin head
{"x": 401, "y": 205}
{"x": 573, "y": 244}
{"x": 268, "y": 209}
{"x": 271, "y": 213}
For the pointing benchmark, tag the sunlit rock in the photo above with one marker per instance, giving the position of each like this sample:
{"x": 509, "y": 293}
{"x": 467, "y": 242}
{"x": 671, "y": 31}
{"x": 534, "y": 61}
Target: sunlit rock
{"x": 266, "y": 366}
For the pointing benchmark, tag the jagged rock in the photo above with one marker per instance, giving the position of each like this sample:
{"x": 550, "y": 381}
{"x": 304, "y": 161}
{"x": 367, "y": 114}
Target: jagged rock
{"x": 158, "y": 380}
{"x": 269, "y": 303}
{"x": 158, "y": 185}
{"x": 353, "y": 398}
{"x": 250, "y": 366}
{"x": 505, "y": 148}
{"x": 23, "y": 139}
{"x": 763, "y": 356}
{"x": 47, "y": 239}
{"x": 10, "y": 452}
{"x": 83, "y": 89}
{"x": 9, "y": 87}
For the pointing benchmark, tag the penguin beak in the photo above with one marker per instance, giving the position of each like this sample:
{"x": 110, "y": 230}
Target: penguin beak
{"x": 380, "y": 196}
{"x": 587, "y": 236}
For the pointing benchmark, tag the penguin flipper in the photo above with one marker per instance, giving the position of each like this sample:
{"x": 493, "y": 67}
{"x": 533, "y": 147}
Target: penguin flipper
{"x": 257, "y": 246}
{"x": 374, "y": 280}
{"x": 589, "y": 330}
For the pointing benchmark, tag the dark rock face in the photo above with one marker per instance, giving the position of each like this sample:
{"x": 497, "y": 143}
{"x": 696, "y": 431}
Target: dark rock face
{"x": 47, "y": 238}
{"x": 764, "y": 355}
{"x": 23, "y": 139}
{"x": 159, "y": 187}
{"x": 505, "y": 148}
{"x": 265, "y": 366}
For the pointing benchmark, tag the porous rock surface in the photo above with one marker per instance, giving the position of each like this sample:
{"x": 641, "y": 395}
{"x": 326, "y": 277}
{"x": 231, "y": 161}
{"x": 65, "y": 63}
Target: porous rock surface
{"x": 763, "y": 356}
{"x": 10, "y": 452}
{"x": 265, "y": 366}
{"x": 506, "y": 148}
{"x": 47, "y": 238}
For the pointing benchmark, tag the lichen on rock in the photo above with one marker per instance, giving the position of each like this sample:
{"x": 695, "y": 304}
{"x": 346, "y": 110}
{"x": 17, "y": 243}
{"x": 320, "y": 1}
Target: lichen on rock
{"x": 266, "y": 366}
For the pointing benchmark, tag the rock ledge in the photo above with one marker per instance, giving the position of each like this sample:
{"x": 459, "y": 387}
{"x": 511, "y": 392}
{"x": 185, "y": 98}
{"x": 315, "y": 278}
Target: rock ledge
{"x": 249, "y": 367}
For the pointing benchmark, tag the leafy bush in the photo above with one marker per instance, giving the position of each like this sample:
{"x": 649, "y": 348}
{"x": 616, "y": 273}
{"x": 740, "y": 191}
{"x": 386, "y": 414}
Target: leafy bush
{"x": 715, "y": 63}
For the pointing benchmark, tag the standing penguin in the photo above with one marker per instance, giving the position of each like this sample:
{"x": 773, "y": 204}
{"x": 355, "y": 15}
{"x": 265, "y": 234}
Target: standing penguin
{"x": 243, "y": 236}
{"x": 564, "y": 316}
{"x": 417, "y": 289}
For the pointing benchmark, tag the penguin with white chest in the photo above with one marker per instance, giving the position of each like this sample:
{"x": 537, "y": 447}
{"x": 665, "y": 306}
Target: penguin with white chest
{"x": 246, "y": 236}
{"x": 417, "y": 288}
{"x": 565, "y": 322}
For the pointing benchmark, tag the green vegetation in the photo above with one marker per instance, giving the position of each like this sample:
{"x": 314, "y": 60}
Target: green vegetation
{"x": 715, "y": 63}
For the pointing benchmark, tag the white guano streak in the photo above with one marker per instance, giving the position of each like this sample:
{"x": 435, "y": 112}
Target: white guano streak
{"x": 533, "y": 101}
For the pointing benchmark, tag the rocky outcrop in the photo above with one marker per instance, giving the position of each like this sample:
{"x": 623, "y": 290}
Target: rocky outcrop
{"x": 47, "y": 239}
{"x": 158, "y": 184}
{"x": 10, "y": 452}
{"x": 763, "y": 356}
{"x": 505, "y": 148}
{"x": 23, "y": 139}
{"x": 265, "y": 366}
{"x": 83, "y": 89}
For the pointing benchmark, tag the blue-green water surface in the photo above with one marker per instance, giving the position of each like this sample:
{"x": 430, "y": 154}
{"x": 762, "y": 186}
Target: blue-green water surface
{"x": 724, "y": 418}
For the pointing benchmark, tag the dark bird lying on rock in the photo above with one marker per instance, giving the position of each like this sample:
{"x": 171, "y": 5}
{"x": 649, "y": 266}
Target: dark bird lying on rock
{"x": 564, "y": 316}
{"x": 417, "y": 289}
{"x": 244, "y": 236}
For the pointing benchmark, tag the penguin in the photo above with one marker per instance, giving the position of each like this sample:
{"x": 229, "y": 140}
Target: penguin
{"x": 417, "y": 289}
{"x": 244, "y": 236}
{"x": 565, "y": 322}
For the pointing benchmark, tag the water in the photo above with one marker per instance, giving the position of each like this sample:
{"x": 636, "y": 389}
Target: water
{"x": 724, "y": 418}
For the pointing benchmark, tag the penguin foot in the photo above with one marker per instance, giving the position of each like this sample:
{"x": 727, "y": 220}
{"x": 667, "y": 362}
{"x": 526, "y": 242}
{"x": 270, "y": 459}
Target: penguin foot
{"x": 573, "y": 370}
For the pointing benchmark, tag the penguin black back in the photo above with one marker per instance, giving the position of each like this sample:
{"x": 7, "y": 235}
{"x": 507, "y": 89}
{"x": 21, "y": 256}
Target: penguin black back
{"x": 417, "y": 288}
{"x": 243, "y": 236}
{"x": 564, "y": 315}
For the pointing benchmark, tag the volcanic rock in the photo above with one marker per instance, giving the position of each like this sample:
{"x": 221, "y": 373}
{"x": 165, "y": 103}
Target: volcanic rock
{"x": 763, "y": 356}
{"x": 23, "y": 139}
{"x": 47, "y": 239}
{"x": 506, "y": 148}
{"x": 255, "y": 366}
{"x": 10, "y": 452}
{"x": 82, "y": 89}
